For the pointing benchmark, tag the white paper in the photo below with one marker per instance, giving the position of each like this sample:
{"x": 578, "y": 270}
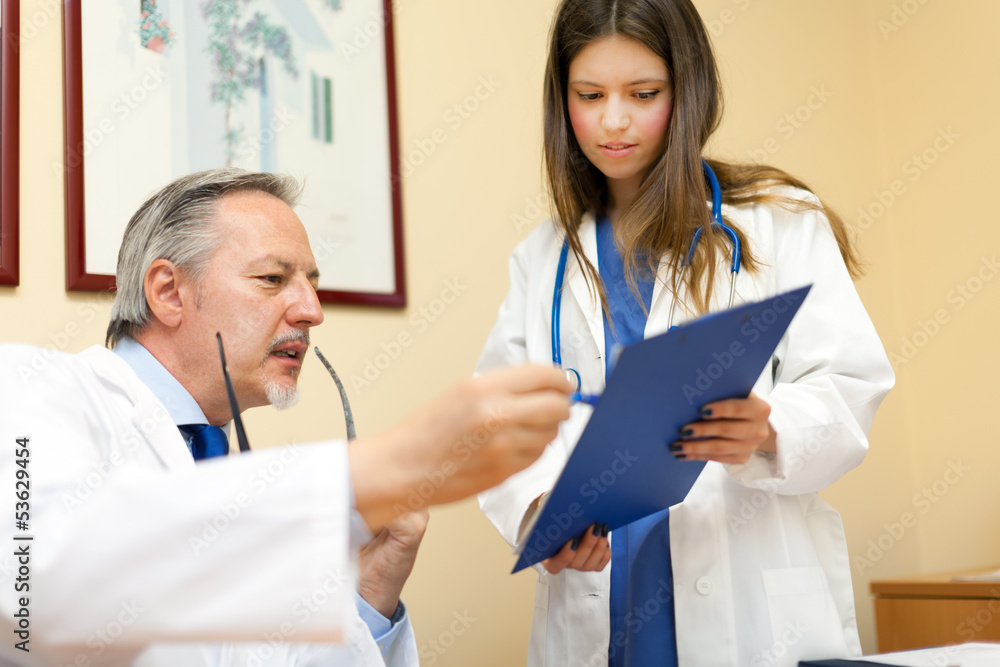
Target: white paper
{"x": 958, "y": 655}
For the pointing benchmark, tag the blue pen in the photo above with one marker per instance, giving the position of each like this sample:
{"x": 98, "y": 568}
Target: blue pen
{"x": 589, "y": 399}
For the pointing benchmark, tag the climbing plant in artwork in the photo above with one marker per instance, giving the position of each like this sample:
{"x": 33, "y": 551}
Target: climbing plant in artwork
{"x": 238, "y": 40}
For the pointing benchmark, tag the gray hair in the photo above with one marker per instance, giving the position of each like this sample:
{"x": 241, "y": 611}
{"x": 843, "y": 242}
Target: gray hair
{"x": 177, "y": 224}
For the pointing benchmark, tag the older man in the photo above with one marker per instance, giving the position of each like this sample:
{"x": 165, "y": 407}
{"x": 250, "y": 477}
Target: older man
{"x": 134, "y": 554}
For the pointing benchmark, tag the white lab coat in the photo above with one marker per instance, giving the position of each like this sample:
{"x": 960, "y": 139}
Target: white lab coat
{"x": 141, "y": 557}
{"x": 760, "y": 563}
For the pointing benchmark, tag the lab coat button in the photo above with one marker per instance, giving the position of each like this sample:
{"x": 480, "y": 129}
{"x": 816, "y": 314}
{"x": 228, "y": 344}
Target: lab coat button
{"x": 704, "y": 585}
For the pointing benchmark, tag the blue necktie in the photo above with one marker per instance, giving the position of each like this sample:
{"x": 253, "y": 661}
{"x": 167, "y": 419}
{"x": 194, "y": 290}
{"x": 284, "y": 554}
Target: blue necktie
{"x": 641, "y": 606}
{"x": 209, "y": 441}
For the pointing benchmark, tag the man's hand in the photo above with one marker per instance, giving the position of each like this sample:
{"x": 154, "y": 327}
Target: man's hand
{"x": 470, "y": 439}
{"x": 385, "y": 563}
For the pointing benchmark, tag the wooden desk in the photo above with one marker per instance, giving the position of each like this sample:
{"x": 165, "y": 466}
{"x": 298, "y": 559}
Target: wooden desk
{"x": 933, "y": 610}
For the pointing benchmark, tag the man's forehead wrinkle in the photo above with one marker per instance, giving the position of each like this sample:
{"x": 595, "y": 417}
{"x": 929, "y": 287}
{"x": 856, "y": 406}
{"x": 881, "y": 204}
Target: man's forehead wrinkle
{"x": 275, "y": 259}
{"x": 312, "y": 272}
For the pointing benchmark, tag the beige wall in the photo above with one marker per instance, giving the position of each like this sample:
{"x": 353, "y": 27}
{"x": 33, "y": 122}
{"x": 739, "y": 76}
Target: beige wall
{"x": 934, "y": 80}
{"x": 884, "y": 97}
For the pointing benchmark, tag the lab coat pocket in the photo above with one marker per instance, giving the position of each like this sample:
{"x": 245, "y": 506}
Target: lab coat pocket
{"x": 804, "y": 620}
{"x": 542, "y": 596}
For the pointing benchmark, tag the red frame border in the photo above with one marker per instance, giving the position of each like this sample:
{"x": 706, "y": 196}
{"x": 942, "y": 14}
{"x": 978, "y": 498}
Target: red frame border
{"x": 77, "y": 278}
{"x": 9, "y": 145}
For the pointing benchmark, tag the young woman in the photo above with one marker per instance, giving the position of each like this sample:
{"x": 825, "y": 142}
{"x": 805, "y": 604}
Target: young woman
{"x": 752, "y": 568}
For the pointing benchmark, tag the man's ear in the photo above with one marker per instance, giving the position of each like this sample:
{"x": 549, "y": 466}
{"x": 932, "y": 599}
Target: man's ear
{"x": 163, "y": 294}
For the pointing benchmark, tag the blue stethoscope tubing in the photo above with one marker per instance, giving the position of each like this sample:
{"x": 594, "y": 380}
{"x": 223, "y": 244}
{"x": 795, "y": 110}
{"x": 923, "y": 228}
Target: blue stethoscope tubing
{"x": 718, "y": 223}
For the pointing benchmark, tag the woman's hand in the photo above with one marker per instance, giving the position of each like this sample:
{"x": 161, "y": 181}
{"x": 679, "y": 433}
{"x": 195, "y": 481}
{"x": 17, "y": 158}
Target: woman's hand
{"x": 589, "y": 552}
{"x": 730, "y": 431}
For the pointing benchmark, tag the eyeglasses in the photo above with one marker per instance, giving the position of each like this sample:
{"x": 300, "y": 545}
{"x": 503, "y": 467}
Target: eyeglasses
{"x": 241, "y": 435}
{"x": 348, "y": 416}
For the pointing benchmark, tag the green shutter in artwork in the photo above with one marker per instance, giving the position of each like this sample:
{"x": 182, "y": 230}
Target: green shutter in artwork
{"x": 328, "y": 108}
{"x": 316, "y": 109}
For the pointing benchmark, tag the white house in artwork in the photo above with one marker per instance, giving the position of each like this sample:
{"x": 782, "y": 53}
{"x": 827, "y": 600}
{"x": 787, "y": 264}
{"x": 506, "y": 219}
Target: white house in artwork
{"x": 313, "y": 104}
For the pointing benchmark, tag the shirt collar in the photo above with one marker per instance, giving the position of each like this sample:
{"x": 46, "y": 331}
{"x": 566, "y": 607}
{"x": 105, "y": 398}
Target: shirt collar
{"x": 180, "y": 404}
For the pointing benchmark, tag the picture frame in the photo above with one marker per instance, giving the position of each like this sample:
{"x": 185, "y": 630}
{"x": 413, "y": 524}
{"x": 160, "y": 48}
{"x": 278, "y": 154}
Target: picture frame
{"x": 156, "y": 89}
{"x": 9, "y": 142}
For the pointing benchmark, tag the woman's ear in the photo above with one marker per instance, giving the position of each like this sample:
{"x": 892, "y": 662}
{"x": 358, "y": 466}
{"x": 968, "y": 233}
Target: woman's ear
{"x": 162, "y": 289}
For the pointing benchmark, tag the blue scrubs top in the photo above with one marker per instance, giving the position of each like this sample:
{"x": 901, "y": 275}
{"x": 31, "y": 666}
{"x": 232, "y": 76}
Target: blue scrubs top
{"x": 642, "y": 601}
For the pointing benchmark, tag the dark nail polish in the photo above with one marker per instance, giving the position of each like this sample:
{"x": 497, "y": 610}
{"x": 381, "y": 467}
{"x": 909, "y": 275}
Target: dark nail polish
{"x": 575, "y": 544}
{"x": 706, "y": 412}
{"x": 597, "y": 530}
{"x": 680, "y": 457}
{"x": 605, "y": 530}
{"x": 687, "y": 432}
{"x": 676, "y": 447}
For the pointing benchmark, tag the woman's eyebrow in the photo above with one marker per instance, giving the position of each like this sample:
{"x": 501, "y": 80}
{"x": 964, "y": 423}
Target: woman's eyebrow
{"x": 639, "y": 82}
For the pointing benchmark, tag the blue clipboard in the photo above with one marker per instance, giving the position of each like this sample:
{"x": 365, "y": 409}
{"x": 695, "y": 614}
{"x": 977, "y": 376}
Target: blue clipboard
{"x": 622, "y": 470}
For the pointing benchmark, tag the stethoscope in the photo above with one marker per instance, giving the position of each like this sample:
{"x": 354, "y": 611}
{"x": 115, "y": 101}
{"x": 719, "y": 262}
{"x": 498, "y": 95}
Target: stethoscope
{"x": 734, "y": 270}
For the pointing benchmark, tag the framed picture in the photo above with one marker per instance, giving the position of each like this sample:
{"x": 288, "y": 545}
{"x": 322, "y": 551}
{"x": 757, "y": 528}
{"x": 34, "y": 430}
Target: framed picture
{"x": 9, "y": 100}
{"x": 156, "y": 89}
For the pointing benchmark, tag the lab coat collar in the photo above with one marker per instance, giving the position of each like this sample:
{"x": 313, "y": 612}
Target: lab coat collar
{"x": 150, "y": 417}
{"x": 587, "y": 300}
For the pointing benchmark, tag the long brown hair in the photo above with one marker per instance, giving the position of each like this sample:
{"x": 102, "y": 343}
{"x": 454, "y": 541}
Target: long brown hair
{"x": 670, "y": 204}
